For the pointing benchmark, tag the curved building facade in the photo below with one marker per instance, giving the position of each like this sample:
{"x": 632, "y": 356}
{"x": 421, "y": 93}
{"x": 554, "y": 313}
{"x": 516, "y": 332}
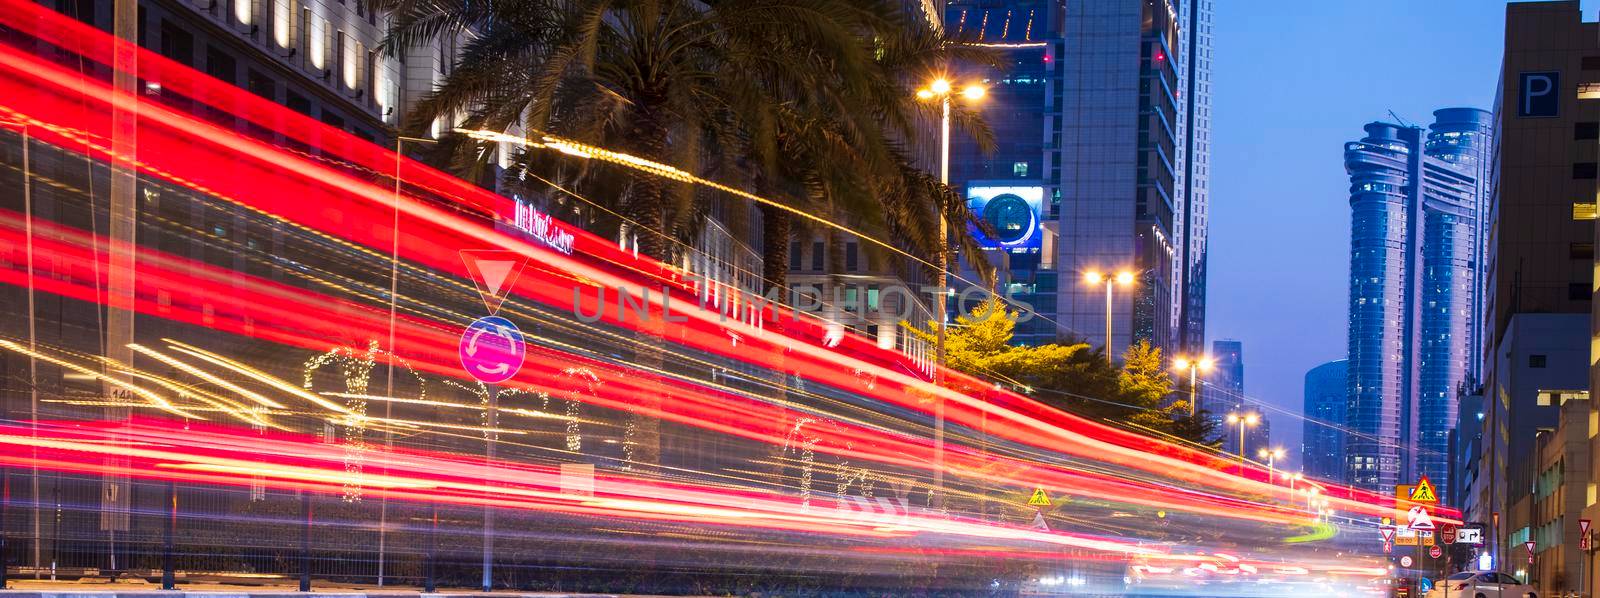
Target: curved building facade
{"x": 1416, "y": 201}
{"x": 1322, "y": 444}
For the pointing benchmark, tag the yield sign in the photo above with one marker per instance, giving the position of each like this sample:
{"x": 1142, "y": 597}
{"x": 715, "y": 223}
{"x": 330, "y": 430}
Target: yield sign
{"x": 494, "y": 272}
{"x": 1388, "y": 534}
{"x": 1583, "y": 526}
{"x": 1039, "y": 521}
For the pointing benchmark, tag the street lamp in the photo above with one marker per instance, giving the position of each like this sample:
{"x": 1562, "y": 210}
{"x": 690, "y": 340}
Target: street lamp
{"x": 1272, "y": 457}
{"x": 1243, "y": 421}
{"x": 1123, "y": 278}
{"x": 1196, "y": 366}
{"x": 940, "y": 89}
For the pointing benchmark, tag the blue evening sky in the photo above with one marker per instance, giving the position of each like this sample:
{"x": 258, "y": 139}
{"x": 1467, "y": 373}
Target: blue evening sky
{"x": 1292, "y": 82}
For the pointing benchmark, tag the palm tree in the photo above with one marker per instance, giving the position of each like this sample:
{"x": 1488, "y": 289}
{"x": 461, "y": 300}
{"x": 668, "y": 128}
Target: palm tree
{"x": 662, "y": 79}
{"x": 804, "y": 100}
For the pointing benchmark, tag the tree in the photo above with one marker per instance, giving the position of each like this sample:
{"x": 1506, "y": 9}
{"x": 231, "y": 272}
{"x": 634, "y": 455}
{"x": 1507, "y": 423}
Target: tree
{"x": 1072, "y": 376}
{"x": 805, "y": 101}
{"x": 664, "y": 80}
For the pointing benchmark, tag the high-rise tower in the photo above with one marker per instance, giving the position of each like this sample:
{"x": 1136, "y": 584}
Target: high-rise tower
{"x": 1416, "y": 200}
{"x": 1322, "y": 443}
{"x": 1118, "y": 170}
{"x": 1194, "y": 172}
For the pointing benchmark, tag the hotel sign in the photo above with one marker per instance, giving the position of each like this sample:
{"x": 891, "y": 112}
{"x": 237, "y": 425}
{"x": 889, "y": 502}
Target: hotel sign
{"x": 543, "y": 227}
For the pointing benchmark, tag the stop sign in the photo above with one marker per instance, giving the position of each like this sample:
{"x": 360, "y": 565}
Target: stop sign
{"x": 1435, "y": 552}
{"x": 1447, "y": 534}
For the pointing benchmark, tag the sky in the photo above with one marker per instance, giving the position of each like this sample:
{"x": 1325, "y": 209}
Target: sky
{"x": 1291, "y": 83}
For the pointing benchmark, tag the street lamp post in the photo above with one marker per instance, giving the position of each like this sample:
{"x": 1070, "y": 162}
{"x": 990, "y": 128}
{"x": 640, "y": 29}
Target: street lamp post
{"x": 1243, "y": 421}
{"x": 941, "y": 89}
{"x": 1123, "y": 278}
{"x": 1272, "y": 457}
{"x": 1196, "y": 366}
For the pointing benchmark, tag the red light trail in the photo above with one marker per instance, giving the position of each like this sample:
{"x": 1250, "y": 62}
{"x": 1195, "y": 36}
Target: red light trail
{"x": 440, "y": 215}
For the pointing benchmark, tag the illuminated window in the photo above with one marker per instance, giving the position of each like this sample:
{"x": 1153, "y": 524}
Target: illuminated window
{"x": 1020, "y": 169}
{"x": 1583, "y": 211}
{"x": 283, "y": 22}
{"x": 1588, "y": 91}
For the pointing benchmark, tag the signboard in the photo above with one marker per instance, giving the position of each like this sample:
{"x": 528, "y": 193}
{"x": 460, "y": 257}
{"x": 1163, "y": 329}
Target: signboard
{"x": 492, "y": 349}
{"x": 1388, "y": 547}
{"x": 1012, "y": 211}
{"x": 1417, "y": 518}
{"x": 1539, "y": 94}
{"x": 1039, "y": 498}
{"x": 1405, "y": 561}
{"x": 1406, "y": 536}
{"x": 494, "y": 272}
{"x": 1423, "y": 492}
{"x": 1447, "y": 533}
{"x": 1470, "y": 535}
{"x": 543, "y": 227}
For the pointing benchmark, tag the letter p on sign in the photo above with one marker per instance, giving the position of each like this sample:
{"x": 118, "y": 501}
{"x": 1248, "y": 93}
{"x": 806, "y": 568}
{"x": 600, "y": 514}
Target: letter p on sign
{"x": 1539, "y": 94}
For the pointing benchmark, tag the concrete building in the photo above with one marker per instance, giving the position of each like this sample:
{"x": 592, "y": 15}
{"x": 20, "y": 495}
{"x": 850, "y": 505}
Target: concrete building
{"x": 1322, "y": 444}
{"x": 1465, "y": 441}
{"x": 1540, "y": 361}
{"x": 1546, "y": 512}
{"x": 1416, "y": 218}
{"x": 1539, "y": 257}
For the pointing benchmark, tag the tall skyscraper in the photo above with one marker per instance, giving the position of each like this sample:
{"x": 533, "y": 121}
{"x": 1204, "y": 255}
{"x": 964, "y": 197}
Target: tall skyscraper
{"x": 1322, "y": 442}
{"x": 1118, "y": 174}
{"x": 1009, "y": 186}
{"x": 1194, "y": 171}
{"x": 1416, "y": 203}
{"x": 1099, "y": 165}
{"x": 1224, "y": 396}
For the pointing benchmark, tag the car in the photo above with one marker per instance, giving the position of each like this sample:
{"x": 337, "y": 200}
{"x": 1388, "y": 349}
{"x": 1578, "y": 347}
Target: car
{"x": 1481, "y": 584}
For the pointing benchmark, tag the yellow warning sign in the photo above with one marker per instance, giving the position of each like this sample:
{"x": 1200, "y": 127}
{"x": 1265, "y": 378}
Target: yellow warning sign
{"x": 1039, "y": 498}
{"x": 1423, "y": 492}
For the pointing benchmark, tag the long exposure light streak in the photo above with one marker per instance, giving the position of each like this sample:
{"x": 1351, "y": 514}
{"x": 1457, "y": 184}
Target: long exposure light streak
{"x": 855, "y": 402}
{"x": 1149, "y": 450}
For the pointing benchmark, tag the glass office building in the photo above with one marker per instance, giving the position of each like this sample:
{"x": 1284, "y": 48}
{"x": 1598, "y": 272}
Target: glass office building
{"x": 1416, "y": 200}
{"x": 1021, "y": 107}
{"x": 1322, "y": 441}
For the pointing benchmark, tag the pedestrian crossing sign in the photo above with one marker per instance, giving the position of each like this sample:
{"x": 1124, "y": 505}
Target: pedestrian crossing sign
{"x": 1423, "y": 492}
{"x": 1039, "y": 498}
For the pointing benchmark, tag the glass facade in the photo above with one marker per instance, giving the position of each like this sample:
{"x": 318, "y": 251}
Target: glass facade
{"x": 1322, "y": 448}
{"x": 1194, "y": 182}
{"x": 1021, "y": 108}
{"x": 1416, "y": 201}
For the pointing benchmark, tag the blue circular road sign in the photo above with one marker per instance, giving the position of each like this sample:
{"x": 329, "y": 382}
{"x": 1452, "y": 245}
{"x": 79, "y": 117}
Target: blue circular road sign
{"x": 492, "y": 349}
